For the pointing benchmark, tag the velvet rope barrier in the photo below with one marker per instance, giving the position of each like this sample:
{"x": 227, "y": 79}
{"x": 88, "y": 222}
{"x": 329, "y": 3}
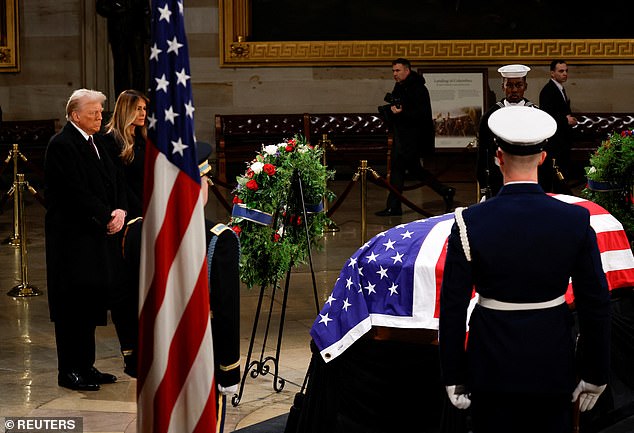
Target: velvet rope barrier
{"x": 223, "y": 201}
{"x": 378, "y": 180}
{"x": 332, "y": 209}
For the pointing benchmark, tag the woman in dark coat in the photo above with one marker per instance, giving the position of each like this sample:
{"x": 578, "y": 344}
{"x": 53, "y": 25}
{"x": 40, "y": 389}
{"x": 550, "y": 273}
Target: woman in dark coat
{"x": 125, "y": 137}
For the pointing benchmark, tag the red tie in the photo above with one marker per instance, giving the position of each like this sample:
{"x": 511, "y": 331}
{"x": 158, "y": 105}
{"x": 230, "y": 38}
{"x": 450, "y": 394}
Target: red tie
{"x": 92, "y": 143}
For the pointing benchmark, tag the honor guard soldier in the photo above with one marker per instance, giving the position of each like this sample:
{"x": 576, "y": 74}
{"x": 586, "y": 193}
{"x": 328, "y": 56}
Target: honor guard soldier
{"x": 518, "y": 370}
{"x": 223, "y": 258}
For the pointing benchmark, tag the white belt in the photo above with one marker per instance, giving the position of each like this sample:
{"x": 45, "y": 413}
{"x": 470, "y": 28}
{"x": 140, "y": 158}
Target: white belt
{"x": 494, "y": 304}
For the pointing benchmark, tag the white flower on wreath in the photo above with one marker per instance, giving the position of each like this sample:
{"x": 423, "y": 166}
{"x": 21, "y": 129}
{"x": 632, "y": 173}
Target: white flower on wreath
{"x": 256, "y": 167}
{"x": 282, "y": 145}
{"x": 271, "y": 149}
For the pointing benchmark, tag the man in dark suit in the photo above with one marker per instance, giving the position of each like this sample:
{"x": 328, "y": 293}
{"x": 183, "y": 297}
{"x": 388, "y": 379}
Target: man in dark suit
{"x": 514, "y": 85}
{"x": 518, "y": 251}
{"x": 85, "y": 209}
{"x": 554, "y": 100}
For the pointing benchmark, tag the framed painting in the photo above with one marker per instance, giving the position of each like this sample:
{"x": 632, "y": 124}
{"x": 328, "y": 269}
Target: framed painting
{"x": 458, "y": 100}
{"x": 9, "y": 36}
{"x": 434, "y": 32}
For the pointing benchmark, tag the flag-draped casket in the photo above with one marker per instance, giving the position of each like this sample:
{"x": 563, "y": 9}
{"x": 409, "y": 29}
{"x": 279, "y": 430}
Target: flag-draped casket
{"x": 394, "y": 279}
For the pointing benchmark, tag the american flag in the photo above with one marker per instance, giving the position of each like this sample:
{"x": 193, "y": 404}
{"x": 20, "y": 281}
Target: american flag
{"x": 175, "y": 388}
{"x": 394, "y": 279}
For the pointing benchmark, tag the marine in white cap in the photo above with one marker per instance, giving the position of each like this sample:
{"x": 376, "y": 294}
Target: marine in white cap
{"x": 514, "y": 85}
{"x": 518, "y": 370}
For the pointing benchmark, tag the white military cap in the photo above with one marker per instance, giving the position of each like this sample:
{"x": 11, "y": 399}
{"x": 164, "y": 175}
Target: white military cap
{"x": 521, "y": 130}
{"x": 514, "y": 71}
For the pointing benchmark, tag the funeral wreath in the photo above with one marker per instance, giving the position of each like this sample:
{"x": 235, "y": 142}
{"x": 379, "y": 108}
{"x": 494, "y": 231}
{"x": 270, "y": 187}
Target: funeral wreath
{"x": 268, "y": 216}
{"x": 611, "y": 178}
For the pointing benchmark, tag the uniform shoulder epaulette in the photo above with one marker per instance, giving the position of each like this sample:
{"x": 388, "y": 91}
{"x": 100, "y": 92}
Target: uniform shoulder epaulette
{"x": 218, "y": 229}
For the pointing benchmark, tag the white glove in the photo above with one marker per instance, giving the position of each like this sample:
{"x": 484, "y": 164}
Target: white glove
{"x": 587, "y": 394}
{"x": 458, "y": 396}
{"x": 230, "y": 390}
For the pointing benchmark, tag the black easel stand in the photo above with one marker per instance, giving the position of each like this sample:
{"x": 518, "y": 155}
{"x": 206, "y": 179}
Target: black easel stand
{"x": 258, "y": 367}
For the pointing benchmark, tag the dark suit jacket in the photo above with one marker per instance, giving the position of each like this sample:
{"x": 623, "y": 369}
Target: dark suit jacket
{"x": 525, "y": 245}
{"x": 223, "y": 257}
{"x": 552, "y": 101}
{"x": 81, "y": 192}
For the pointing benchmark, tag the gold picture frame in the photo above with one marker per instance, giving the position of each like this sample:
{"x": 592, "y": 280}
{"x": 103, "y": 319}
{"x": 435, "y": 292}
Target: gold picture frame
{"x": 237, "y": 50}
{"x": 9, "y": 36}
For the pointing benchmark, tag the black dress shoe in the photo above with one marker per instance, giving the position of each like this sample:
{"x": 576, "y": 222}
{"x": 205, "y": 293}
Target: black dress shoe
{"x": 130, "y": 371}
{"x": 389, "y": 212}
{"x": 97, "y": 376}
{"x": 130, "y": 365}
{"x": 77, "y": 382}
{"x": 448, "y": 198}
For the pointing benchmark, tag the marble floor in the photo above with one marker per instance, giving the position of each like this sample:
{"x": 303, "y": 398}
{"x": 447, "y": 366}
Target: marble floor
{"x": 27, "y": 349}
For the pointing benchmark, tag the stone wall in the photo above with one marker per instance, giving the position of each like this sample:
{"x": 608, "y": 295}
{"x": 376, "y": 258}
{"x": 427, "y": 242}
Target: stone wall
{"x": 63, "y": 46}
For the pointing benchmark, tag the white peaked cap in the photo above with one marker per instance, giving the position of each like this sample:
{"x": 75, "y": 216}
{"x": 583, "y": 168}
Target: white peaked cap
{"x": 514, "y": 71}
{"x": 522, "y": 130}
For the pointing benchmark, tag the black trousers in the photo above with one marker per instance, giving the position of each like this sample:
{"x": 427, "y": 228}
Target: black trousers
{"x": 124, "y": 315}
{"x": 75, "y": 342}
{"x": 403, "y": 164}
{"x": 521, "y": 412}
{"x": 129, "y": 57}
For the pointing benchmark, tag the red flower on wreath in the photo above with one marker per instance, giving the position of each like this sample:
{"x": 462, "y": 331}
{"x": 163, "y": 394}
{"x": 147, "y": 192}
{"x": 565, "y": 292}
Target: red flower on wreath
{"x": 289, "y": 148}
{"x": 237, "y": 230}
{"x": 276, "y": 237}
{"x": 252, "y": 185}
{"x": 237, "y": 200}
{"x": 269, "y": 169}
{"x": 249, "y": 173}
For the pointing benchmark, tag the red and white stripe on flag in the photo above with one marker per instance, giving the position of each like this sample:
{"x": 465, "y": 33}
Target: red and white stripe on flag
{"x": 614, "y": 246}
{"x": 176, "y": 389}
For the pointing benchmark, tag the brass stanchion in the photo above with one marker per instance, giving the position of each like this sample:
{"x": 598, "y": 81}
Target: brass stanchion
{"x": 363, "y": 168}
{"x": 25, "y": 289}
{"x": 14, "y": 240}
{"x": 326, "y": 144}
{"x": 14, "y": 154}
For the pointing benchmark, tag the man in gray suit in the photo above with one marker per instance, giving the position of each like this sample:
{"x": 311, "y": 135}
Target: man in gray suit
{"x": 519, "y": 250}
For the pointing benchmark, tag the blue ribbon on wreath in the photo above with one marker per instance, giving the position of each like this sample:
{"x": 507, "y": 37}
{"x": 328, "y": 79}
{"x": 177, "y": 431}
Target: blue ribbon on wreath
{"x": 253, "y": 215}
{"x": 315, "y": 208}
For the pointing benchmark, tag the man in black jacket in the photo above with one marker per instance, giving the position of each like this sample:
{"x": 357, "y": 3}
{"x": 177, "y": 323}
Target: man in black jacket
{"x": 86, "y": 204}
{"x": 410, "y": 117}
